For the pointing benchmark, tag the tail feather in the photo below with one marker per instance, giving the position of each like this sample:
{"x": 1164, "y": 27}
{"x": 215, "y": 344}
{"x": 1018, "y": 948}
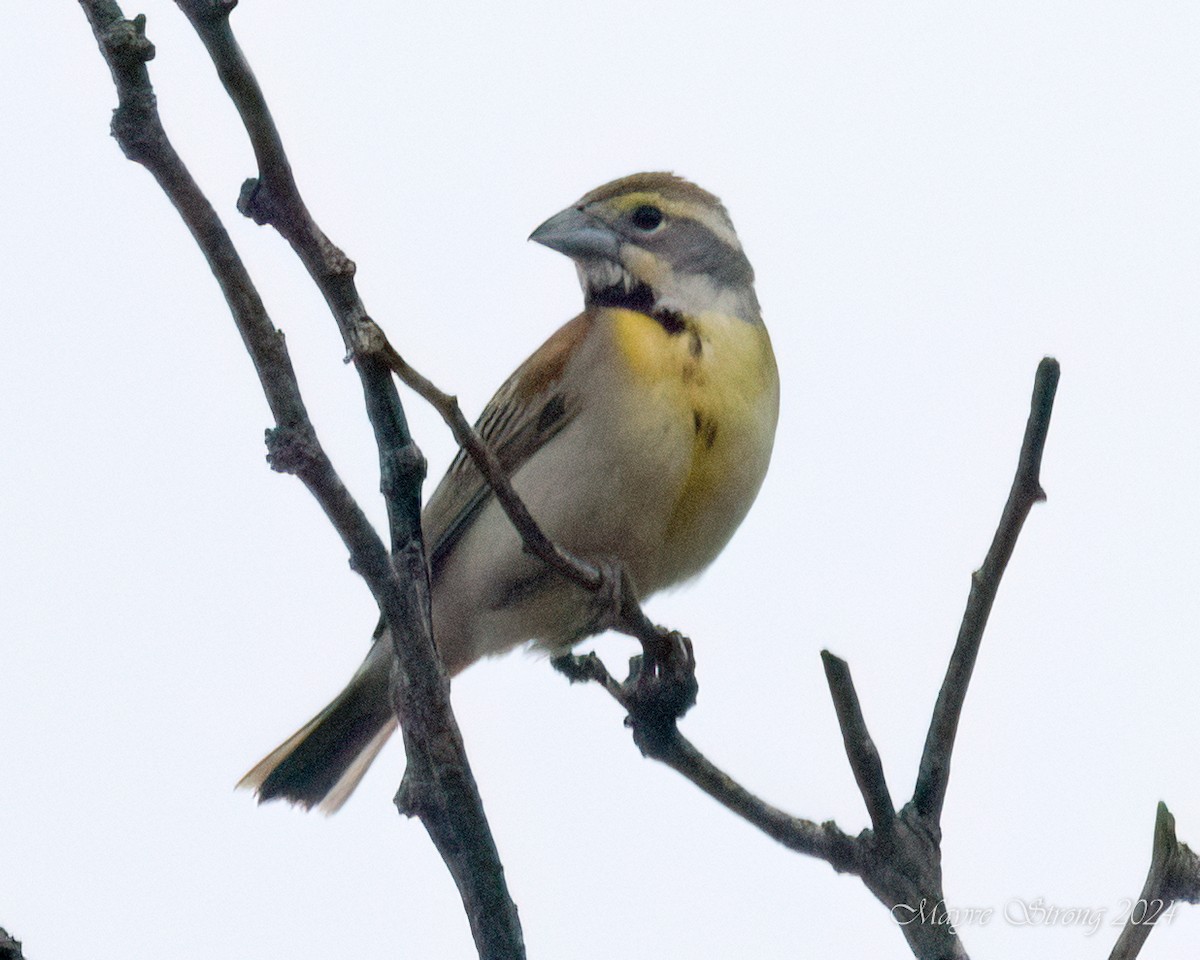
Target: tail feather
{"x": 323, "y": 761}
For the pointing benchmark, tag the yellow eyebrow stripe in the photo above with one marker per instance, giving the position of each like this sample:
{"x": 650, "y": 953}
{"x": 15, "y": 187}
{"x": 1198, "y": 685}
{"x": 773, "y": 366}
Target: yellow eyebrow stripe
{"x": 685, "y": 209}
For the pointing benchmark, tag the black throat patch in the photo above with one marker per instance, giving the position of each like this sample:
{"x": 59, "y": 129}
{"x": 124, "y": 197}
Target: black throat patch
{"x": 638, "y": 297}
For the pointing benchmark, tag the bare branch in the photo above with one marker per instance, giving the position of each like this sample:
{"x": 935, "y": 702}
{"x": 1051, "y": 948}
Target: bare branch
{"x": 934, "y": 773}
{"x": 824, "y": 841}
{"x": 1174, "y": 875}
{"x": 860, "y": 748}
{"x": 275, "y": 199}
{"x": 438, "y": 783}
{"x": 294, "y": 446}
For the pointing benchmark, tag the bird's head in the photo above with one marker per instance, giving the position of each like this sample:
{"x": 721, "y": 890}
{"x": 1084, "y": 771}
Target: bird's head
{"x": 655, "y": 242}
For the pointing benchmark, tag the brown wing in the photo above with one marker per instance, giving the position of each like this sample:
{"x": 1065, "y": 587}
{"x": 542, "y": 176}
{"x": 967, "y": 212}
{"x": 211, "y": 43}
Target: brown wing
{"x": 530, "y": 408}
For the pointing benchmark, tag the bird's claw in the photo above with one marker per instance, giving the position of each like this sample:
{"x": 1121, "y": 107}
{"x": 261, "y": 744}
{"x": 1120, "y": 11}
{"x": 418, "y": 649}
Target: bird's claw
{"x": 662, "y": 679}
{"x": 661, "y": 686}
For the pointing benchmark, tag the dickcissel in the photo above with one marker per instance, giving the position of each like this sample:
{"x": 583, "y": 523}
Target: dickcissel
{"x": 640, "y": 432}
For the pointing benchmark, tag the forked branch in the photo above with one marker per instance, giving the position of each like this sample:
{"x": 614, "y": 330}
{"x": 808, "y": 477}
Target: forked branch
{"x": 899, "y": 858}
{"x": 438, "y": 784}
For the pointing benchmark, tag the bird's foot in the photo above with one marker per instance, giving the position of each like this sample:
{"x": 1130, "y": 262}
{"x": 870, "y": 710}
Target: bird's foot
{"x": 661, "y": 688}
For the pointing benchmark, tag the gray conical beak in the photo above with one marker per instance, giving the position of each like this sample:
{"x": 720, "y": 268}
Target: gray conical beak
{"x": 579, "y": 235}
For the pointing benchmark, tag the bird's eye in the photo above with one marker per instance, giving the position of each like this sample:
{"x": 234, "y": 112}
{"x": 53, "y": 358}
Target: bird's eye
{"x": 646, "y": 217}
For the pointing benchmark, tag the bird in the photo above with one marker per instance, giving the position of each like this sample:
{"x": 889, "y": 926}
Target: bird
{"x": 639, "y": 433}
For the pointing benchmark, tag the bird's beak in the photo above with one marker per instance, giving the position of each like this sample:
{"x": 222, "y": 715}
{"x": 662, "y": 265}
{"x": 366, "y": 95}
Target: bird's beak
{"x": 579, "y": 235}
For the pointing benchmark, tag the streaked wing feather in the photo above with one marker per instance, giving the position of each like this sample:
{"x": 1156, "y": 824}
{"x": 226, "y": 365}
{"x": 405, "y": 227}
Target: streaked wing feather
{"x": 527, "y": 411}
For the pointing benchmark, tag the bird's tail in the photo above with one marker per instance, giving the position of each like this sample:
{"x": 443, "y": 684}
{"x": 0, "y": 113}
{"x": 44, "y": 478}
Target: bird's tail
{"x": 321, "y": 763}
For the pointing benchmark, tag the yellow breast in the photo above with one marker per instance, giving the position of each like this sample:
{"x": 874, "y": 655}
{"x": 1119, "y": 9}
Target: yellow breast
{"x": 716, "y": 376}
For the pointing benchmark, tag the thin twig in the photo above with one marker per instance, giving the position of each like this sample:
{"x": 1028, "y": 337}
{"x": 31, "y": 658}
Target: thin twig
{"x": 274, "y": 198}
{"x": 934, "y": 773}
{"x": 824, "y": 841}
{"x": 1174, "y": 875}
{"x": 560, "y": 561}
{"x": 667, "y": 685}
{"x": 860, "y": 748}
{"x": 625, "y": 612}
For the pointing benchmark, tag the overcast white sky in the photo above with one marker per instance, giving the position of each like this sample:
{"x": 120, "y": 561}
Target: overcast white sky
{"x": 934, "y": 194}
